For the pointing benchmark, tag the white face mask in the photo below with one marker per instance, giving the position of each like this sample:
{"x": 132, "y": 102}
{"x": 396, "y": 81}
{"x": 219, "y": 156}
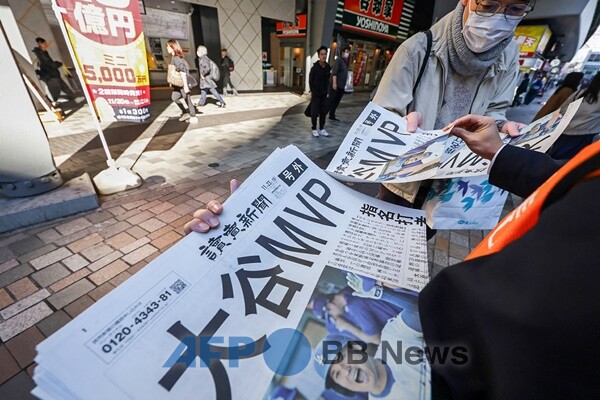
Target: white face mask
{"x": 346, "y": 54}
{"x": 483, "y": 33}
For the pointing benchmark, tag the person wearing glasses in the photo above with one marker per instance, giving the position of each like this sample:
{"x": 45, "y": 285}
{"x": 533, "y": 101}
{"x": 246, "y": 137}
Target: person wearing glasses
{"x": 471, "y": 68}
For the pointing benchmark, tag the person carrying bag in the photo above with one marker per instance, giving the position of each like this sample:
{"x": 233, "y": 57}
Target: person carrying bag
{"x": 181, "y": 81}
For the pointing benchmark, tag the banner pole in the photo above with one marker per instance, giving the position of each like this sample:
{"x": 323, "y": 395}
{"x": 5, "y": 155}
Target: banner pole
{"x": 114, "y": 179}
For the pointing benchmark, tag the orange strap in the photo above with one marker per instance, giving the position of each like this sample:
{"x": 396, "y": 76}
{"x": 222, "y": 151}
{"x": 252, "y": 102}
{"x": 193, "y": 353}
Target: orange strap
{"x": 526, "y": 215}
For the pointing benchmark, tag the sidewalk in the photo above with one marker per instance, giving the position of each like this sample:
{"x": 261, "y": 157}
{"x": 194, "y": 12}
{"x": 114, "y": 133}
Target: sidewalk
{"x": 49, "y": 274}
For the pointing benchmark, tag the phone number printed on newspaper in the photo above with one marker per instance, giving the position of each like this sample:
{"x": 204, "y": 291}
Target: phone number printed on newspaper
{"x": 115, "y": 337}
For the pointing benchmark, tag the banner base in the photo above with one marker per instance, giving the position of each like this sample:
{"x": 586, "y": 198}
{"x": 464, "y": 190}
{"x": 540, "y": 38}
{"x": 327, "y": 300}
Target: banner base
{"x": 116, "y": 179}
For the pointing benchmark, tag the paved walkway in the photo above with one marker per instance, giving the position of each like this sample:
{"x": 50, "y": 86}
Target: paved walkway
{"x": 51, "y": 273}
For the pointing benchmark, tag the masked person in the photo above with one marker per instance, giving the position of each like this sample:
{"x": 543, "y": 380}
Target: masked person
{"x": 339, "y": 76}
{"x": 472, "y": 67}
{"x": 48, "y": 71}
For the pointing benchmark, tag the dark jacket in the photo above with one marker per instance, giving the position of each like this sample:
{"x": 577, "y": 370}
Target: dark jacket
{"x": 48, "y": 68}
{"x": 226, "y": 63}
{"x": 528, "y": 314}
{"x": 318, "y": 79}
{"x": 523, "y": 86}
{"x": 340, "y": 70}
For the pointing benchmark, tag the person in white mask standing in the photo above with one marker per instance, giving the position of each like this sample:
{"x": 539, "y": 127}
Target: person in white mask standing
{"x": 470, "y": 68}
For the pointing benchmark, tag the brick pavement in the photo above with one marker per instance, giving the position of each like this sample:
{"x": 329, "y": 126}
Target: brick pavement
{"x": 51, "y": 273}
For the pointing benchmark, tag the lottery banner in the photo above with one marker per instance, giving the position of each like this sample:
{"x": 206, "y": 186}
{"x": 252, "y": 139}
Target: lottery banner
{"x": 110, "y": 48}
{"x": 300, "y": 270}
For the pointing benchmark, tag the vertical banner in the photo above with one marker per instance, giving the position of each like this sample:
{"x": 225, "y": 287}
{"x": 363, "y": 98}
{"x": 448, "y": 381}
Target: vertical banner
{"x": 361, "y": 59}
{"x": 109, "y": 45}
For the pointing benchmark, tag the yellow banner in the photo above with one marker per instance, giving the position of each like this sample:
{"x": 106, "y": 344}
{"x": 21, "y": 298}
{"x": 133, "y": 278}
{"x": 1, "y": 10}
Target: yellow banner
{"x": 531, "y": 38}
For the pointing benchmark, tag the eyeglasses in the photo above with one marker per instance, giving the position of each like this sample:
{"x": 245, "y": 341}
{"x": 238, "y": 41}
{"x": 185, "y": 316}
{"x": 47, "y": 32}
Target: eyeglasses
{"x": 487, "y": 8}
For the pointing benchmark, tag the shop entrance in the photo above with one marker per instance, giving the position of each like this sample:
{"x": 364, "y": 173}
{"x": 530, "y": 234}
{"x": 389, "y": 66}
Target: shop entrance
{"x": 291, "y": 68}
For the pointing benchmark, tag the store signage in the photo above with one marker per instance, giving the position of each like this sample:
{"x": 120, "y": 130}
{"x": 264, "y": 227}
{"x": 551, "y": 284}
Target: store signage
{"x": 294, "y": 29}
{"x": 373, "y": 17}
{"x": 109, "y": 45}
{"x": 532, "y": 39}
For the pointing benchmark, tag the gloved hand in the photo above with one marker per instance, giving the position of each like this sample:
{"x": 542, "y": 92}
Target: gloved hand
{"x": 356, "y": 283}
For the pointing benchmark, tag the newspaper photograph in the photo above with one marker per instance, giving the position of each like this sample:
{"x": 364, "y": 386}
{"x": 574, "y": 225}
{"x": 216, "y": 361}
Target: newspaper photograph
{"x": 373, "y": 149}
{"x": 378, "y": 148}
{"x": 301, "y": 272}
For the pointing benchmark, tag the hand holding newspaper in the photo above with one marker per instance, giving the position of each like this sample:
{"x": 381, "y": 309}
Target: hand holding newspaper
{"x": 253, "y": 309}
{"x": 379, "y": 148}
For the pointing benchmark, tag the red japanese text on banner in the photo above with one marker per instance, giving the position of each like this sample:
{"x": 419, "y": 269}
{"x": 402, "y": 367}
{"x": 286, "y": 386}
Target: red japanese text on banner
{"x": 109, "y": 44}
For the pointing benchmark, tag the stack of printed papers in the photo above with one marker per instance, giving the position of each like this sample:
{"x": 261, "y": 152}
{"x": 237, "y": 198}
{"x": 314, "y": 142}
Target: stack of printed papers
{"x": 242, "y": 312}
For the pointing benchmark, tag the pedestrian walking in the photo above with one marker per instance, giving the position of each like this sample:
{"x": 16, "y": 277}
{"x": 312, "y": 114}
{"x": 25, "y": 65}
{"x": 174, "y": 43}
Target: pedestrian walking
{"x": 520, "y": 90}
{"x": 534, "y": 90}
{"x": 227, "y": 67}
{"x": 337, "y": 88}
{"x": 48, "y": 71}
{"x": 207, "y": 73}
{"x": 318, "y": 79}
{"x": 180, "y": 80}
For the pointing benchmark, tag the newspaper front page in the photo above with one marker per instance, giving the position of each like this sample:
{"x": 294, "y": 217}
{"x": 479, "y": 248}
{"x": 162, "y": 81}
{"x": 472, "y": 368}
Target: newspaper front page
{"x": 378, "y": 148}
{"x": 458, "y": 161}
{"x": 250, "y": 310}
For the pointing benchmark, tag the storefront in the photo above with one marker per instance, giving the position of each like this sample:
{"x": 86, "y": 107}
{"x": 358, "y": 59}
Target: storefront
{"x": 285, "y": 56}
{"x": 215, "y": 26}
{"x": 373, "y": 30}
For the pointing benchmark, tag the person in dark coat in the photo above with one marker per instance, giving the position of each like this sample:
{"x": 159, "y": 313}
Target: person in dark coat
{"x": 48, "y": 71}
{"x": 534, "y": 90}
{"x": 339, "y": 75}
{"x": 318, "y": 80}
{"x": 226, "y": 68}
{"x": 525, "y": 304}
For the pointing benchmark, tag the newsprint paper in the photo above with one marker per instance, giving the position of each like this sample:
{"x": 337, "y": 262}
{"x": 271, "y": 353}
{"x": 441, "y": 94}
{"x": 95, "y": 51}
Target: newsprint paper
{"x": 379, "y": 148}
{"x": 242, "y": 312}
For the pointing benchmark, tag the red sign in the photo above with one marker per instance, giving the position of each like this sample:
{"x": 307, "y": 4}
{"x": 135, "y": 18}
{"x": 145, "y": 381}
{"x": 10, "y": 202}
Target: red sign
{"x": 361, "y": 60}
{"x": 292, "y": 30}
{"x": 110, "y": 48}
{"x": 373, "y": 17}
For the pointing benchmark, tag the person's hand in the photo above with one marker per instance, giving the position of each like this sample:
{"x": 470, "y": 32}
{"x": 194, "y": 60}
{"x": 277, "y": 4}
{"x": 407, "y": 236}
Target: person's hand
{"x": 415, "y": 120}
{"x": 206, "y": 218}
{"x": 512, "y": 128}
{"x": 334, "y": 86}
{"x": 479, "y": 133}
{"x": 356, "y": 283}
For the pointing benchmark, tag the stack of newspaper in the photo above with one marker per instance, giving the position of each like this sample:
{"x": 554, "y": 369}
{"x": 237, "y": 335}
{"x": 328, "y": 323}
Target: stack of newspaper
{"x": 242, "y": 312}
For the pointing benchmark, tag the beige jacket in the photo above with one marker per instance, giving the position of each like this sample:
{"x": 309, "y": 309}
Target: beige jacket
{"x": 395, "y": 92}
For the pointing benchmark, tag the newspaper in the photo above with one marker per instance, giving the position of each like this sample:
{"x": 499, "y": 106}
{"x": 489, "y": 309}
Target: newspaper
{"x": 378, "y": 148}
{"x": 250, "y": 310}
{"x": 458, "y": 161}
